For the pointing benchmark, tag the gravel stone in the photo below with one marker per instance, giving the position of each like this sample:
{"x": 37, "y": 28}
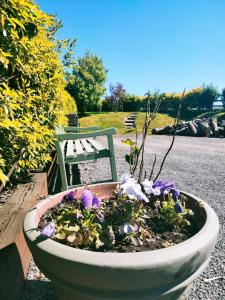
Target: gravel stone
{"x": 196, "y": 165}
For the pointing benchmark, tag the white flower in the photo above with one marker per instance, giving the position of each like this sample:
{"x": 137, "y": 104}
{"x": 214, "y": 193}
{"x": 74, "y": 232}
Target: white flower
{"x": 125, "y": 177}
{"x": 147, "y": 185}
{"x": 133, "y": 190}
{"x": 4, "y": 32}
{"x": 127, "y": 228}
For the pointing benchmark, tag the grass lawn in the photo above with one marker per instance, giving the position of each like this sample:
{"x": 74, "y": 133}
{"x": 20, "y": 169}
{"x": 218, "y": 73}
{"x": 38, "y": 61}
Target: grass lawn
{"x": 113, "y": 119}
{"x": 220, "y": 115}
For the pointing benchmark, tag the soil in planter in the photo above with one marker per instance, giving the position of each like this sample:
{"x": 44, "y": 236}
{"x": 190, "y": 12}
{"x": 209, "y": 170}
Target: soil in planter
{"x": 121, "y": 224}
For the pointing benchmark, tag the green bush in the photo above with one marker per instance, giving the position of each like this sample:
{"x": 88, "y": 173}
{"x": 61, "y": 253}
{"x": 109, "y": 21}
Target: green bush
{"x": 32, "y": 96}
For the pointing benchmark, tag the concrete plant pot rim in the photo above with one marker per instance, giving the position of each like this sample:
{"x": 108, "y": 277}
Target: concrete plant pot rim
{"x": 123, "y": 260}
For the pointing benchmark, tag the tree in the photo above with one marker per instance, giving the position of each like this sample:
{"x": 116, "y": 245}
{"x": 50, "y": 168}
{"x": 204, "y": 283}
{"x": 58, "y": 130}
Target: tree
{"x": 208, "y": 96}
{"x": 192, "y": 99}
{"x": 86, "y": 84}
{"x": 117, "y": 96}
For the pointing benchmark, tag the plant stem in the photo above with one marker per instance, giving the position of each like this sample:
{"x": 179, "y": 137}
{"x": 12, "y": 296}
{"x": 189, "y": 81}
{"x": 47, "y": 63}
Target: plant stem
{"x": 153, "y": 168}
{"x": 174, "y": 135}
{"x": 148, "y": 119}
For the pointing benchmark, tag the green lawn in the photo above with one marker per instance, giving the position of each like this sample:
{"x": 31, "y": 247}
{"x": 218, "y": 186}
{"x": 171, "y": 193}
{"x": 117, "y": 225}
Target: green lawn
{"x": 116, "y": 119}
{"x": 219, "y": 115}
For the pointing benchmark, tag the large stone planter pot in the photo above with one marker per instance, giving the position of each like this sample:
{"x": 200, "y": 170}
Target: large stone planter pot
{"x": 87, "y": 275}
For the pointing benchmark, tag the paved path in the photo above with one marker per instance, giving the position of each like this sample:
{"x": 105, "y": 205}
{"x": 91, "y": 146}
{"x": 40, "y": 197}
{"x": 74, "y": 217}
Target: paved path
{"x": 196, "y": 165}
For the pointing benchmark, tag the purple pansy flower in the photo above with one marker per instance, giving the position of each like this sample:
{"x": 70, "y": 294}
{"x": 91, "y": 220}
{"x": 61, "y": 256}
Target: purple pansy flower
{"x": 96, "y": 202}
{"x": 89, "y": 200}
{"x": 176, "y": 194}
{"x": 164, "y": 187}
{"x": 48, "y": 229}
{"x": 178, "y": 207}
{"x": 70, "y": 196}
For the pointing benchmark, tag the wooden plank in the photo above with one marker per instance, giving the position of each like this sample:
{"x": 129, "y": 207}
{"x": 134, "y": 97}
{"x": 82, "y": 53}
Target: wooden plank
{"x": 87, "y": 146}
{"x": 14, "y": 253}
{"x": 70, "y": 149}
{"x": 78, "y": 147}
{"x": 91, "y": 156}
{"x": 96, "y": 145}
{"x": 13, "y": 212}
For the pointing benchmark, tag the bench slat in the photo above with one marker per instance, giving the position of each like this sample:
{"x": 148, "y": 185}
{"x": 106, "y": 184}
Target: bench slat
{"x": 78, "y": 147}
{"x": 87, "y": 146}
{"x": 70, "y": 150}
{"x": 96, "y": 145}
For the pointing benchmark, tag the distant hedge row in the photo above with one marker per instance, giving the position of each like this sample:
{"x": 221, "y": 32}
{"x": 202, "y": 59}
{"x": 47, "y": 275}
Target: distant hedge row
{"x": 32, "y": 96}
{"x": 199, "y": 98}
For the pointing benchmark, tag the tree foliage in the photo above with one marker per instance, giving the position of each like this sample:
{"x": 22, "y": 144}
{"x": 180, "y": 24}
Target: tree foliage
{"x": 200, "y": 98}
{"x": 86, "y": 84}
{"x": 32, "y": 96}
{"x": 208, "y": 96}
{"x": 117, "y": 96}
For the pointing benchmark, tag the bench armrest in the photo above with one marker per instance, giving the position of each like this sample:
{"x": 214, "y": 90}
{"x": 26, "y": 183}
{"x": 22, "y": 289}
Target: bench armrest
{"x": 80, "y": 129}
{"x": 74, "y": 136}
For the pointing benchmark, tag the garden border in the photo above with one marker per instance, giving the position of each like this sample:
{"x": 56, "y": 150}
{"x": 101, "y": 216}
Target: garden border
{"x": 14, "y": 253}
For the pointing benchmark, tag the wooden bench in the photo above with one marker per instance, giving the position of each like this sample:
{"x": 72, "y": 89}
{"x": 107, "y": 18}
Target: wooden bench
{"x": 75, "y": 146}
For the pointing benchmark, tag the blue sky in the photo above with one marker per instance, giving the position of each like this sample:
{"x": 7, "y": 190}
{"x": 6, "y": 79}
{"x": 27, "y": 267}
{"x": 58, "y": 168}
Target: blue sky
{"x": 149, "y": 44}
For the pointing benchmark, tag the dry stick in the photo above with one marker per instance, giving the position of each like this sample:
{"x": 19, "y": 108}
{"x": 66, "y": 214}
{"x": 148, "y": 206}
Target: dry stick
{"x": 15, "y": 163}
{"x": 144, "y": 134}
{"x": 153, "y": 168}
{"x": 147, "y": 123}
{"x": 142, "y": 154}
{"x": 174, "y": 135}
{"x": 137, "y": 156}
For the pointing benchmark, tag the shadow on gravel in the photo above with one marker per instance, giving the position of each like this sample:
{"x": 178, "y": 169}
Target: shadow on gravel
{"x": 37, "y": 290}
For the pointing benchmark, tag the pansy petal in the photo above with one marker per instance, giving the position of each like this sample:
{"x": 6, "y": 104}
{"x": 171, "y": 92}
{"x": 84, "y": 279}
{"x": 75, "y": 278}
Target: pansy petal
{"x": 125, "y": 177}
{"x": 96, "y": 202}
{"x": 157, "y": 191}
{"x": 147, "y": 185}
{"x": 87, "y": 198}
{"x": 176, "y": 194}
{"x": 71, "y": 196}
{"x": 178, "y": 207}
{"x": 48, "y": 229}
{"x": 126, "y": 228}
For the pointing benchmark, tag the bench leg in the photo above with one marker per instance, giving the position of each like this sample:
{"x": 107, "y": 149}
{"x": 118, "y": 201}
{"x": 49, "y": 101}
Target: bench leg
{"x": 112, "y": 159}
{"x": 62, "y": 167}
{"x": 63, "y": 176}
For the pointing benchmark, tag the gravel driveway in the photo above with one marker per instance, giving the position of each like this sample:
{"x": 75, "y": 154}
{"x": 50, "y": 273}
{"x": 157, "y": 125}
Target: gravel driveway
{"x": 196, "y": 165}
